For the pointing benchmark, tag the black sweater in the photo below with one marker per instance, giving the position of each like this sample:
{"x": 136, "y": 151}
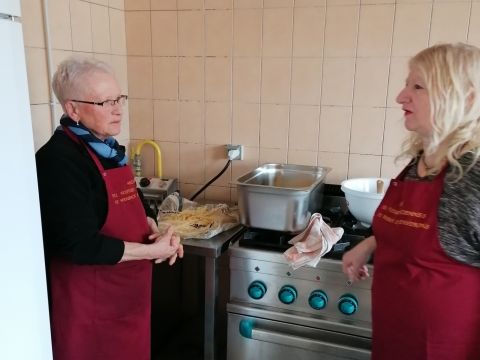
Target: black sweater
{"x": 74, "y": 203}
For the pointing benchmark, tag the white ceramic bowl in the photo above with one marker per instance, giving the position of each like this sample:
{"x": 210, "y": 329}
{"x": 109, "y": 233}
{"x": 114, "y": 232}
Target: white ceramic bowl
{"x": 362, "y": 197}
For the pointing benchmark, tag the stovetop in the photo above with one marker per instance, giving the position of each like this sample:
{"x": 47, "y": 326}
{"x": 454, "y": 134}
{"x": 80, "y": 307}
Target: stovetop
{"x": 334, "y": 212}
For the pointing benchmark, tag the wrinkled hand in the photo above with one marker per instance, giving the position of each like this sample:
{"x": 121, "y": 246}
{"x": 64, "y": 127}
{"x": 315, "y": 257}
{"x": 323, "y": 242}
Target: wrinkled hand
{"x": 354, "y": 261}
{"x": 167, "y": 244}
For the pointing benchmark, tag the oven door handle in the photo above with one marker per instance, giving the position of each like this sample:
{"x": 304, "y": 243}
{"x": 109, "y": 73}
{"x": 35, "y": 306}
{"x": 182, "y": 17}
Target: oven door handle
{"x": 248, "y": 330}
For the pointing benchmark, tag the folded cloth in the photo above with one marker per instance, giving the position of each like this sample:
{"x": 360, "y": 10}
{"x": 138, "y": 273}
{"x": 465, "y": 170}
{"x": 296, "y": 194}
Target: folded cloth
{"x": 311, "y": 244}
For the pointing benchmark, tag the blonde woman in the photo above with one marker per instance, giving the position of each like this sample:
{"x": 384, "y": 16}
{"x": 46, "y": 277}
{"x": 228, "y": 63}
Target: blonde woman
{"x": 426, "y": 286}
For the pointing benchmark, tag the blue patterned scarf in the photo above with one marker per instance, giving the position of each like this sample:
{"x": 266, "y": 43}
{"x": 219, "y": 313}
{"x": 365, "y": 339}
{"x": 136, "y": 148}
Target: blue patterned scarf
{"x": 108, "y": 149}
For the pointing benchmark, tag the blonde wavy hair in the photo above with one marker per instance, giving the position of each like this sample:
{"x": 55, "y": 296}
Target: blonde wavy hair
{"x": 451, "y": 73}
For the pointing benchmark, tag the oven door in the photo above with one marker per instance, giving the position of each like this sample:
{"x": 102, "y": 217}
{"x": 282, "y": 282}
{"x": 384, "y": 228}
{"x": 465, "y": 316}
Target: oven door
{"x": 252, "y": 338}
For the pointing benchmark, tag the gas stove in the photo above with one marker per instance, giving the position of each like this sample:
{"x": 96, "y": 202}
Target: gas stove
{"x": 314, "y": 310}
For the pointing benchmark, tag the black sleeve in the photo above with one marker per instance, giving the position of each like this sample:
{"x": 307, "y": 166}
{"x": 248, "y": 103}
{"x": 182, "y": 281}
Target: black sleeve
{"x": 148, "y": 210}
{"x": 73, "y": 205}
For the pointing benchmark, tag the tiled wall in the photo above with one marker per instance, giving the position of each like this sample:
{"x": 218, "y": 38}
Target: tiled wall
{"x": 297, "y": 81}
{"x": 93, "y": 28}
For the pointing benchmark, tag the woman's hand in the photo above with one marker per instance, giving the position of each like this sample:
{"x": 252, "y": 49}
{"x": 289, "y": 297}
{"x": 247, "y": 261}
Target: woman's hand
{"x": 354, "y": 261}
{"x": 166, "y": 245}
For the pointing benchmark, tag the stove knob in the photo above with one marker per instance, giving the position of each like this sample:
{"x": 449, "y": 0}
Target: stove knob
{"x": 318, "y": 299}
{"x": 257, "y": 289}
{"x": 287, "y": 294}
{"x": 348, "y": 304}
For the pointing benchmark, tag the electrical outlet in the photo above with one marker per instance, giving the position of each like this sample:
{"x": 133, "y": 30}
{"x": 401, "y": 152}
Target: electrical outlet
{"x": 234, "y": 152}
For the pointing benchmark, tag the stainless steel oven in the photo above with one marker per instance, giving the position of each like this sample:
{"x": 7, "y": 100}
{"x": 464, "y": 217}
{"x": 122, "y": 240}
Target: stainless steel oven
{"x": 310, "y": 313}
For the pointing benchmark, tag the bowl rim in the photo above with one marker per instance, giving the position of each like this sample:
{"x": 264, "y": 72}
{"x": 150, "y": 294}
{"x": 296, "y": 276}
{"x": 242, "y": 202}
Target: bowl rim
{"x": 363, "y": 194}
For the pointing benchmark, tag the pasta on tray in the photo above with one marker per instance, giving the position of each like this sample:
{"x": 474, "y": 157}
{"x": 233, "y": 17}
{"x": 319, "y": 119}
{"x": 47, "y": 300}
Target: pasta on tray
{"x": 201, "y": 222}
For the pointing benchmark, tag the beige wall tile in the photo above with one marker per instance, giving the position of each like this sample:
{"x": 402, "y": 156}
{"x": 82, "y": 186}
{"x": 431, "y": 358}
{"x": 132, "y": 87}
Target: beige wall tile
{"x": 246, "y": 79}
{"x": 341, "y": 31}
{"x": 187, "y": 191}
{"x": 164, "y": 33}
{"x": 218, "y": 4}
{"x": 306, "y": 81}
{"x": 367, "y": 130}
{"x": 59, "y": 55}
{"x": 277, "y": 32}
{"x": 456, "y": 15}
{"x": 218, "y": 123}
{"x": 41, "y": 124}
{"x": 397, "y": 77}
{"x": 192, "y": 163}
{"x": 190, "y": 4}
{"x": 337, "y": 84}
{"x": 166, "y": 123}
{"x": 38, "y": 84}
{"x": 272, "y": 156}
{"x": 107, "y": 58}
{"x": 338, "y": 162}
{"x": 248, "y": 4}
{"x": 165, "y": 78}
{"x": 119, "y": 65}
{"x": 411, "y": 29}
{"x": 247, "y": 32}
{"x": 140, "y": 77}
{"x": 163, "y": 4}
{"x": 249, "y": 162}
{"x": 59, "y": 24}
{"x": 233, "y": 196}
{"x": 100, "y": 29}
{"x": 371, "y": 80}
{"x": 218, "y": 32}
{"x": 333, "y": 3}
{"x": 137, "y": 4}
{"x": 274, "y": 126}
{"x": 308, "y": 3}
{"x": 246, "y": 124}
{"x": 191, "y": 78}
{"x": 218, "y": 79}
{"x": 118, "y": 32}
{"x": 474, "y": 25}
{"x": 390, "y": 167}
{"x": 276, "y": 80}
{"x": 335, "y": 124}
{"x": 190, "y": 33}
{"x": 308, "y": 32}
{"x": 81, "y": 23}
{"x": 170, "y": 159}
{"x": 218, "y": 193}
{"x": 302, "y": 157}
{"x": 100, "y": 2}
{"x": 192, "y": 122}
{"x": 117, "y": 4}
{"x": 363, "y": 166}
{"x": 375, "y": 30}
{"x": 141, "y": 118}
{"x": 304, "y": 125}
{"x": 124, "y": 136}
{"x": 32, "y": 21}
{"x": 215, "y": 160}
{"x": 277, "y": 3}
{"x": 139, "y": 34}
{"x": 395, "y": 132}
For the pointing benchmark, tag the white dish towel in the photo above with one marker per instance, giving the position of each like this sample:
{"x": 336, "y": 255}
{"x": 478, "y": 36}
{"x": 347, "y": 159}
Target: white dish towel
{"x": 311, "y": 244}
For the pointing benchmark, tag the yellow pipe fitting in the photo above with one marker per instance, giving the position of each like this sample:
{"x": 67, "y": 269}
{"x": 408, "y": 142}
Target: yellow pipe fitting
{"x": 138, "y": 149}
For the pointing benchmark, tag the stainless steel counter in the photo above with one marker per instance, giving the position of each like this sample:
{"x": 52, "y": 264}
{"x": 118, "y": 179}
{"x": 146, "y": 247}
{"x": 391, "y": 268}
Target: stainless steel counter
{"x": 211, "y": 250}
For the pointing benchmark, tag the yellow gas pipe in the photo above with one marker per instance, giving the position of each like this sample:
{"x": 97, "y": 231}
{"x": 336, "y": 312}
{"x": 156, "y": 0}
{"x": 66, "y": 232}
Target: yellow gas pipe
{"x": 137, "y": 162}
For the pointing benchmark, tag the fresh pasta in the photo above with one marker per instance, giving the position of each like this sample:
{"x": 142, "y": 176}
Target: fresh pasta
{"x": 201, "y": 222}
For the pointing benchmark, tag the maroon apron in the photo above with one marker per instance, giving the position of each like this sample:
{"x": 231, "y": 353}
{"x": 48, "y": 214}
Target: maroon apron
{"x": 425, "y": 305}
{"x": 102, "y": 312}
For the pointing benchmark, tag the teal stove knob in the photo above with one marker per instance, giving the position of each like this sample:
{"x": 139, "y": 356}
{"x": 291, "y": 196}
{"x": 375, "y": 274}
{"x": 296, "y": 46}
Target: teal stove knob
{"x": 348, "y": 304}
{"x": 287, "y": 294}
{"x": 257, "y": 289}
{"x": 318, "y": 299}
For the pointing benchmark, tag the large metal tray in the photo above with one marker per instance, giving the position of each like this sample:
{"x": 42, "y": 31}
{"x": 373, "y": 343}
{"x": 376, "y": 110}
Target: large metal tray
{"x": 280, "y": 197}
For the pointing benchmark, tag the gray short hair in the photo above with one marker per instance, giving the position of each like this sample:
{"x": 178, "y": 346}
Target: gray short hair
{"x": 66, "y": 82}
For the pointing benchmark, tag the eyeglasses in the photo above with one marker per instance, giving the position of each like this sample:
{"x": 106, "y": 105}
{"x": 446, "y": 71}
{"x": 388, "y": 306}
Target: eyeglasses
{"x": 122, "y": 99}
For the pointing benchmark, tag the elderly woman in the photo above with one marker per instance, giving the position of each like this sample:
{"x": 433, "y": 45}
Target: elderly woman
{"x": 426, "y": 239}
{"x": 99, "y": 242}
